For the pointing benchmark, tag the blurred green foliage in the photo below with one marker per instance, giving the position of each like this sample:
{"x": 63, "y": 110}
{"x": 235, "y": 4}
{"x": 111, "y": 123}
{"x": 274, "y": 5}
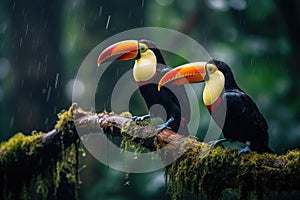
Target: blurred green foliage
{"x": 42, "y": 45}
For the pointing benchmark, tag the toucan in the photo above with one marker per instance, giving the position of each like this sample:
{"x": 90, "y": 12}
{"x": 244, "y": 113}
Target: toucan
{"x": 230, "y": 107}
{"x": 170, "y": 104}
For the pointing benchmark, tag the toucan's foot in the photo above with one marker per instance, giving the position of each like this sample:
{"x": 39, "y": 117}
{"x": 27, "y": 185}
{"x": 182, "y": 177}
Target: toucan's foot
{"x": 246, "y": 149}
{"x": 218, "y": 142}
{"x": 140, "y": 118}
{"x": 165, "y": 125}
{"x": 162, "y": 127}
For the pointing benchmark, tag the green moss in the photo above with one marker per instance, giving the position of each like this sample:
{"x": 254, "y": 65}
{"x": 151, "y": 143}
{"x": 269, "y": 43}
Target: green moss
{"x": 18, "y": 150}
{"x": 67, "y": 166}
{"x": 19, "y": 142}
{"x": 27, "y": 168}
{"x": 42, "y": 185}
{"x": 126, "y": 114}
{"x": 65, "y": 121}
{"x": 215, "y": 171}
{"x": 136, "y": 135}
{"x": 128, "y": 139}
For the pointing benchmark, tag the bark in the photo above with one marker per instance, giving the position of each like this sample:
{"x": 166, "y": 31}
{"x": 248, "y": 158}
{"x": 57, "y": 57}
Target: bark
{"x": 201, "y": 168}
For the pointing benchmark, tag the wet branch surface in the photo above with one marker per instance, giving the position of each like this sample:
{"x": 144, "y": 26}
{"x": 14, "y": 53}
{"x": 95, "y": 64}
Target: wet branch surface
{"x": 199, "y": 169}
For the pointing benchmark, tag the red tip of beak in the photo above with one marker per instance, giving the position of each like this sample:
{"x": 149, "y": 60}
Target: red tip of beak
{"x": 188, "y": 73}
{"x": 124, "y": 50}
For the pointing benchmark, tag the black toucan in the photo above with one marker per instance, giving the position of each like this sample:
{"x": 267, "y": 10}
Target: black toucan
{"x": 230, "y": 107}
{"x": 171, "y": 104}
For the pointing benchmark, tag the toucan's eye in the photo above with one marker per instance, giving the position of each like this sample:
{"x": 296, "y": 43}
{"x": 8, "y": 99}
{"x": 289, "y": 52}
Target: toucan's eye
{"x": 211, "y": 68}
{"x": 143, "y": 47}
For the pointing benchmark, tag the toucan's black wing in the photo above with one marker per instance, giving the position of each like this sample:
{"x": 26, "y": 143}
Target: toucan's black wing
{"x": 243, "y": 106}
{"x": 244, "y": 120}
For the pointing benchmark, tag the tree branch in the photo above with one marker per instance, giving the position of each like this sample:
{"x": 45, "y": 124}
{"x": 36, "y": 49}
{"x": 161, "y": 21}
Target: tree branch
{"x": 211, "y": 170}
{"x": 200, "y": 169}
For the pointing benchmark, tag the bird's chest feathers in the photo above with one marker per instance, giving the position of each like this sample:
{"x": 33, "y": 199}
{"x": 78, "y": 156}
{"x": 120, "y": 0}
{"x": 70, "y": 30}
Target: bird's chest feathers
{"x": 145, "y": 67}
{"x": 213, "y": 88}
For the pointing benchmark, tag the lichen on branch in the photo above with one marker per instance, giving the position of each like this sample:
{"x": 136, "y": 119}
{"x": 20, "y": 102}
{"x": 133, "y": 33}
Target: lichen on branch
{"x": 215, "y": 171}
{"x": 41, "y": 165}
{"x": 48, "y": 162}
{"x": 207, "y": 170}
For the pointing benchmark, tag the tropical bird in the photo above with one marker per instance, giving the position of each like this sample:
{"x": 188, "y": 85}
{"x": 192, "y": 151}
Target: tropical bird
{"x": 230, "y": 107}
{"x": 171, "y": 104}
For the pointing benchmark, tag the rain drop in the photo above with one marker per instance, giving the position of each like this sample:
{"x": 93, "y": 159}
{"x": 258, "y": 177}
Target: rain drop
{"x": 118, "y": 71}
{"x": 46, "y": 58}
{"x": 48, "y": 94}
{"x": 100, "y": 11}
{"x": 83, "y": 28}
{"x": 56, "y": 80}
{"x": 129, "y": 14}
{"x": 46, "y": 24}
{"x": 21, "y": 40}
{"x": 46, "y": 120}
{"x": 26, "y": 29}
{"x": 11, "y": 121}
{"x": 38, "y": 70}
{"x": 107, "y": 23}
{"x": 127, "y": 183}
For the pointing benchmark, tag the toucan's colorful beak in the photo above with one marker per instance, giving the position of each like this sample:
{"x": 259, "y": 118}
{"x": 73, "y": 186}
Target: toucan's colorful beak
{"x": 187, "y": 73}
{"x": 124, "y": 50}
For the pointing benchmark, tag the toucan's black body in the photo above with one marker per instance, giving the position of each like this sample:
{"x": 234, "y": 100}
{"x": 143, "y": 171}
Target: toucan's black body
{"x": 171, "y": 103}
{"x": 230, "y": 107}
{"x": 165, "y": 104}
{"x": 173, "y": 99}
{"x": 243, "y": 120}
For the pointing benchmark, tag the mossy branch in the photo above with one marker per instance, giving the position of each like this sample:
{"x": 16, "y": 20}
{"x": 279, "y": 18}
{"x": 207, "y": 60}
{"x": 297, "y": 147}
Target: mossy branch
{"x": 200, "y": 169}
{"x": 208, "y": 170}
{"x": 41, "y": 165}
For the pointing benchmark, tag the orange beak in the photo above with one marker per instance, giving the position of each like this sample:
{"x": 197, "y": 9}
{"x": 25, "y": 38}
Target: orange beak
{"x": 125, "y": 50}
{"x": 188, "y": 73}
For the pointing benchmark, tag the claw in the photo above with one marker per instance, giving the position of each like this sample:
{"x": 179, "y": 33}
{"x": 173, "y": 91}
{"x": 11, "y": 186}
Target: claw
{"x": 218, "y": 142}
{"x": 140, "y": 118}
{"x": 165, "y": 125}
{"x": 162, "y": 127}
{"x": 246, "y": 149}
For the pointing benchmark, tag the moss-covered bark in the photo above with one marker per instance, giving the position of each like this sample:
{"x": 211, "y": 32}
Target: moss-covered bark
{"x": 42, "y": 165}
{"x": 218, "y": 170}
{"x": 45, "y": 165}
